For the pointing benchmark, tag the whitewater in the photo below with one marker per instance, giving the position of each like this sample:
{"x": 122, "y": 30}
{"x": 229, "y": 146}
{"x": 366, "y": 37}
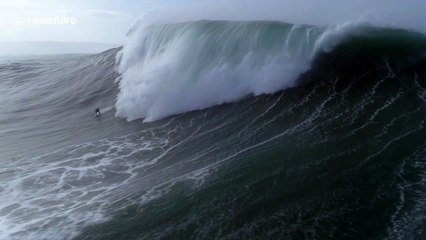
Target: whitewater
{"x": 215, "y": 126}
{"x": 171, "y": 69}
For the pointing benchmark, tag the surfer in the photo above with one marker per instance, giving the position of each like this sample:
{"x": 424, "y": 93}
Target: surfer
{"x": 97, "y": 113}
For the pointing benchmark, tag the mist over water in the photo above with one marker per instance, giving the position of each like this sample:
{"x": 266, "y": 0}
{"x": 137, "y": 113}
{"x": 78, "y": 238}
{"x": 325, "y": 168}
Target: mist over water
{"x": 384, "y": 13}
{"x": 192, "y": 66}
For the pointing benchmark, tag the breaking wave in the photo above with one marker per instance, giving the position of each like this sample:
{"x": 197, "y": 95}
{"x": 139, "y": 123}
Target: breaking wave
{"x": 175, "y": 68}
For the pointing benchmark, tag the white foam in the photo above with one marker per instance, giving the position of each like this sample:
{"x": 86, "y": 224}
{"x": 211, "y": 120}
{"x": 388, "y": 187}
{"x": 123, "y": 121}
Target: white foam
{"x": 57, "y": 195}
{"x": 171, "y": 69}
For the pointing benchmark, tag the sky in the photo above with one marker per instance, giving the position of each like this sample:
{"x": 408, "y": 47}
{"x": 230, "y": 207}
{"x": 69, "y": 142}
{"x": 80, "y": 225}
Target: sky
{"x": 105, "y": 21}
{"x": 108, "y": 21}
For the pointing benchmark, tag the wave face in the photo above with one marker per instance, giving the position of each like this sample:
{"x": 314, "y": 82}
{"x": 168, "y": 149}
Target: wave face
{"x": 175, "y": 68}
{"x": 339, "y": 153}
{"x": 49, "y": 96}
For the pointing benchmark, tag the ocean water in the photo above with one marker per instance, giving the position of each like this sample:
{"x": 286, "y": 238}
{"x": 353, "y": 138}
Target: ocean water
{"x": 219, "y": 130}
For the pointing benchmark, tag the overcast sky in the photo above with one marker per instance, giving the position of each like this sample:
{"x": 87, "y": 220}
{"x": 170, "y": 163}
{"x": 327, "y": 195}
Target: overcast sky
{"x": 96, "y": 20}
{"x": 108, "y": 21}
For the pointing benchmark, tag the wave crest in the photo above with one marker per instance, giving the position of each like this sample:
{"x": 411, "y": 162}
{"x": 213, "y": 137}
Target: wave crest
{"x": 175, "y": 68}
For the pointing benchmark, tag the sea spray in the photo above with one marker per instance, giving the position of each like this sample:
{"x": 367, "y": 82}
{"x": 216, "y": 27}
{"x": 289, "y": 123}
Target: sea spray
{"x": 174, "y": 61}
{"x": 174, "y": 68}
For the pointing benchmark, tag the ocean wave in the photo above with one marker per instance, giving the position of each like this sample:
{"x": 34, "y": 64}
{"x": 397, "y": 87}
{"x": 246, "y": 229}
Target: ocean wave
{"x": 344, "y": 145}
{"x": 175, "y": 68}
